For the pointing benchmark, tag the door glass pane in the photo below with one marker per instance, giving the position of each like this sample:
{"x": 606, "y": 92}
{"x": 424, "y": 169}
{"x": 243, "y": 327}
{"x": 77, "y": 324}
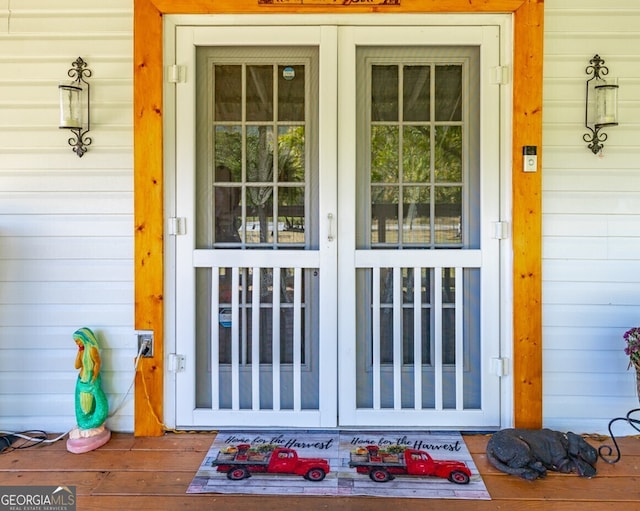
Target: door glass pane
{"x": 384, "y": 214}
{"x": 291, "y": 154}
{"x": 227, "y": 202}
{"x": 449, "y": 93}
{"x": 291, "y": 92}
{"x": 416, "y": 98}
{"x": 260, "y": 149}
{"x": 259, "y": 102}
{"x": 227, "y": 144}
{"x": 384, "y": 154}
{"x": 228, "y": 90}
{"x": 416, "y": 220}
{"x": 448, "y": 154}
{"x": 448, "y": 215}
{"x": 290, "y": 215}
{"x": 416, "y": 154}
{"x": 259, "y": 219}
{"x": 384, "y": 93}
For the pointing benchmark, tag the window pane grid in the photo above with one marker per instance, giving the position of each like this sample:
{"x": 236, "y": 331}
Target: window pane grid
{"x": 417, "y": 179}
{"x": 259, "y": 156}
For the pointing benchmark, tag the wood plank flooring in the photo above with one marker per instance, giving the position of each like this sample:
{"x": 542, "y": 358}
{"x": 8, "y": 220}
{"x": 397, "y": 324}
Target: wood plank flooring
{"x": 153, "y": 474}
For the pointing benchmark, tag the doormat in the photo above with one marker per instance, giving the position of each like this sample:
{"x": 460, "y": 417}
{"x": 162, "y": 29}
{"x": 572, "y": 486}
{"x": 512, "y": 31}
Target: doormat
{"x": 400, "y": 464}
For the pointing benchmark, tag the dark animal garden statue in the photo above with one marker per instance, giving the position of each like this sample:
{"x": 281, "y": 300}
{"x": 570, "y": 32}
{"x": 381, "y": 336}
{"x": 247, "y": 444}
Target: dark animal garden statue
{"x": 529, "y": 453}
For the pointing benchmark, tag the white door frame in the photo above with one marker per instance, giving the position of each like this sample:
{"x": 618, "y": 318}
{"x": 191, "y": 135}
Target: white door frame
{"x": 328, "y": 150}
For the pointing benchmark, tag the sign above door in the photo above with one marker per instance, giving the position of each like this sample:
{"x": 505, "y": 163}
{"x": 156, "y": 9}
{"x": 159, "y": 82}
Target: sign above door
{"x": 336, "y": 3}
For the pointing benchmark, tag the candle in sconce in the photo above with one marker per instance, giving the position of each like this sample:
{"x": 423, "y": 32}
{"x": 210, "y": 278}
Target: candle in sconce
{"x": 607, "y": 102}
{"x": 70, "y": 106}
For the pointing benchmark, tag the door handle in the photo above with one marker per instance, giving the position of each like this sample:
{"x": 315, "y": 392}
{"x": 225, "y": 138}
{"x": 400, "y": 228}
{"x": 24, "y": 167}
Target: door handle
{"x": 330, "y": 235}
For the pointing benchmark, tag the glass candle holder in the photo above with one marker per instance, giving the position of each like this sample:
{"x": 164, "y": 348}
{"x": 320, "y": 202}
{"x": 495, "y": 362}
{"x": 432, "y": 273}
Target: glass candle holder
{"x": 70, "y": 105}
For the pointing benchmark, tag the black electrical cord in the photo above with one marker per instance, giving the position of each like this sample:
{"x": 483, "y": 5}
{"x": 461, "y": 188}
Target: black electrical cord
{"x": 10, "y": 442}
{"x": 6, "y": 441}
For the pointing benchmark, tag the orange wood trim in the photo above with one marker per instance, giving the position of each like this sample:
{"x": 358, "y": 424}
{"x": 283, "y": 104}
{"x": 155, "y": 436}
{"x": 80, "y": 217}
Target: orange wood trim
{"x": 527, "y": 216}
{"x": 148, "y": 211}
{"x": 252, "y": 7}
{"x": 148, "y": 182}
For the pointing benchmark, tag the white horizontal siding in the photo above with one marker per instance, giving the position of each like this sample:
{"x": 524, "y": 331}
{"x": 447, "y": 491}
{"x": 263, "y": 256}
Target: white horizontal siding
{"x": 595, "y": 272}
{"x": 582, "y": 384}
{"x": 71, "y": 270}
{"x": 57, "y": 338}
{"x": 67, "y": 248}
{"x": 66, "y": 223}
{"x": 584, "y": 293}
{"x": 30, "y": 315}
{"x": 591, "y": 217}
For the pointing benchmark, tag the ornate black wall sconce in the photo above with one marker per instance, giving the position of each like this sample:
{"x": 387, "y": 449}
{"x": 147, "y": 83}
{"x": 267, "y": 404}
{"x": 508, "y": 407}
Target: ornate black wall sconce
{"x": 75, "y": 102}
{"x": 602, "y": 111}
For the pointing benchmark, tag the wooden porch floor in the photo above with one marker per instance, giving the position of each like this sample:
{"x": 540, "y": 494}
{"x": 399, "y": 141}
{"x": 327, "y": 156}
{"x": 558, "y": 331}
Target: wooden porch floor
{"x": 153, "y": 474}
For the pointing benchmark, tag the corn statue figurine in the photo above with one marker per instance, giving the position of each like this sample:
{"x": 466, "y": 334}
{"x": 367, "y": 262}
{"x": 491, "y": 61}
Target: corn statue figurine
{"x": 91, "y": 402}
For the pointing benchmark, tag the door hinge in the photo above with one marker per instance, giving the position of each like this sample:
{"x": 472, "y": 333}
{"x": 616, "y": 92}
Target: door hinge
{"x": 175, "y": 363}
{"x": 500, "y": 75}
{"x": 500, "y": 366}
{"x": 500, "y": 230}
{"x": 176, "y": 73}
{"x": 177, "y": 226}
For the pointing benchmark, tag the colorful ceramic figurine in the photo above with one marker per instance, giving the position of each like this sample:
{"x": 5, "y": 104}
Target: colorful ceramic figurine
{"x": 91, "y": 402}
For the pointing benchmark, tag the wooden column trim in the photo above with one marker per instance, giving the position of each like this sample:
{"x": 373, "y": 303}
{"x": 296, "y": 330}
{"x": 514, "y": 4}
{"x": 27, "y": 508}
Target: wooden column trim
{"x": 528, "y": 16}
{"x": 527, "y": 216}
{"x": 148, "y": 212}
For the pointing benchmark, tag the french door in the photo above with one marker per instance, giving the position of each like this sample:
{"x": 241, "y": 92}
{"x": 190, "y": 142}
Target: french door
{"x": 335, "y": 265}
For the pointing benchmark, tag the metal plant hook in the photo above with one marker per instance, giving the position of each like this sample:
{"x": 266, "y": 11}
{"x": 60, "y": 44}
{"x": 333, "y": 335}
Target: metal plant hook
{"x": 605, "y": 451}
{"x": 79, "y": 73}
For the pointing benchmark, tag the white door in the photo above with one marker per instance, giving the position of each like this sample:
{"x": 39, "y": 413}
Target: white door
{"x": 334, "y": 265}
{"x": 419, "y": 315}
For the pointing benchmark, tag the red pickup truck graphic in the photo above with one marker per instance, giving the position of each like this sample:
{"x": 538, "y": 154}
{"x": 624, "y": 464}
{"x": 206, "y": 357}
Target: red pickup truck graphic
{"x": 239, "y": 462}
{"x": 382, "y": 466}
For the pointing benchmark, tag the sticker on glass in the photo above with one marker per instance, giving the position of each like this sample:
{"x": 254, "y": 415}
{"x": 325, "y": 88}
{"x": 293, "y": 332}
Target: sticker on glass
{"x": 288, "y": 73}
